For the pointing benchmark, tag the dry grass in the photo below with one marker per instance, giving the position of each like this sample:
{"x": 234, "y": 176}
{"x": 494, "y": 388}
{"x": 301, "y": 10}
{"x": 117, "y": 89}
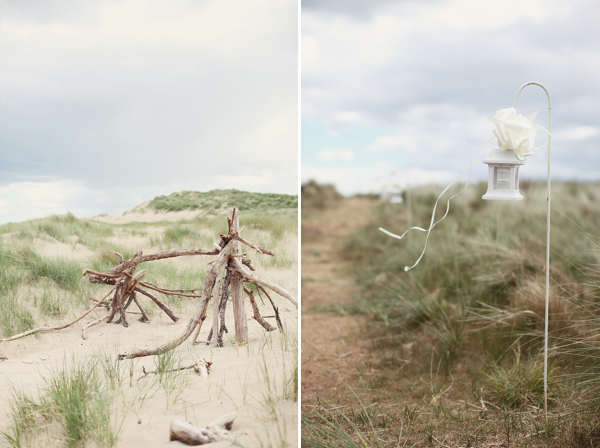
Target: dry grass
{"x": 455, "y": 344}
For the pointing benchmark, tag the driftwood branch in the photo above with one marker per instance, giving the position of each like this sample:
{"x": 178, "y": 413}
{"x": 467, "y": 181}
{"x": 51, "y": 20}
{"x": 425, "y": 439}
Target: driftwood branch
{"x": 201, "y": 367}
{"x": 161, "y": 305}
{"x": 259, "y": 288}
{"x": 255, "y": 279}
{"x": 91, "y": 324}
{"x": 237, "y": 285}
{"x": 59, "y": 327}
{"x": 169, "y": 292}
{"x": 118, "y": 271}
{"x": 257, "y": 317}
{"x": 222, "y": 307}
{"x": 219, "y": 430}
{"x": 260, "y": 250}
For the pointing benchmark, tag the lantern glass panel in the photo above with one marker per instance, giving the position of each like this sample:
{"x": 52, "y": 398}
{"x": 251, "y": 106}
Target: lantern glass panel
{"x": 503, "y": 179}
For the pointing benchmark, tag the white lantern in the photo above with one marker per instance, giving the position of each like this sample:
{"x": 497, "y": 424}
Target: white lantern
{"x": 503, "y": 176}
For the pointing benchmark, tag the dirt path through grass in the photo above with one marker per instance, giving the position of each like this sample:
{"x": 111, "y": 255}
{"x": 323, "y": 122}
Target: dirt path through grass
{"x": 331, "y": 342}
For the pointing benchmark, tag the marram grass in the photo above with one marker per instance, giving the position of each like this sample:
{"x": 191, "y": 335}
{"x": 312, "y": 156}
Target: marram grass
{"x": 474, "y": 307}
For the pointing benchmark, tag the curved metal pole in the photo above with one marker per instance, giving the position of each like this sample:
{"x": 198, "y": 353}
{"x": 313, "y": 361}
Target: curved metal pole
{"x": 547, "y": 242}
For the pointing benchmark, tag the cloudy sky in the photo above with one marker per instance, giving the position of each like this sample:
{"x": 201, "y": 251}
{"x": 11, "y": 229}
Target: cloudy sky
{"x": 411, "y": 86}
{"x": 105, "y": 104}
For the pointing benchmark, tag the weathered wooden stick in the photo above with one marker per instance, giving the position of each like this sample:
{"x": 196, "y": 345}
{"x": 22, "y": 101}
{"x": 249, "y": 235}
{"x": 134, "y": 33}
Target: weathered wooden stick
{"x": 215, "y": 330}
{"x": 201, "y": 366}
{"x": 237, "y": 285}
{"x": 255, "y": 279}
{"x": 118, "y": 271}
{"x": 119, "y": 304}
{"x": 175, "y": 253}
{"x": 217, "y": 431}
{"x": 161, "y": 305}
{"x": 260, "y": 250}
{"x": 216, "y": 301}
{"x": 275, "y": 309}
{"x": 209, "y": 284}
{"x": 222, "y": 308}
{"x": 113, "y": 308}
{"x": 198, "y": 328}
{"x": 144, "y": 317}
{"x": 169, "y": 292}
{"x": 60, "y": 327}
{"x": 257, "y": 317}
{"x": 89, "y": 325}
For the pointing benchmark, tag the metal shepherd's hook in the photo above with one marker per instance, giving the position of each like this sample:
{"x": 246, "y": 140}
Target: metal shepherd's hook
{"x": 547, "y": 241}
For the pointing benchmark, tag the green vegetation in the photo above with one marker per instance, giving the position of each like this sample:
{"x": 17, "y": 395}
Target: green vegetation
{"x": 15, "y": 317}
{"x": 475, "y": 308}
{"x": 74, "y": 398}
{"x": 65, "y": 273}
{"x": 219, "y": 200}
{"x": 64, "y": 229}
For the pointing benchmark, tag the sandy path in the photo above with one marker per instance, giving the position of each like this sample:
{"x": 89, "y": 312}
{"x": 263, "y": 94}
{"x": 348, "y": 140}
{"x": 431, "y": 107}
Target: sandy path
{"x": 331, "y": 343}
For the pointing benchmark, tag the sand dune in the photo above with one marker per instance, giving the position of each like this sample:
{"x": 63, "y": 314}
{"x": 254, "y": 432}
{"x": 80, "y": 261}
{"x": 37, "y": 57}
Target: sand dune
{"x": 252, "y": 380}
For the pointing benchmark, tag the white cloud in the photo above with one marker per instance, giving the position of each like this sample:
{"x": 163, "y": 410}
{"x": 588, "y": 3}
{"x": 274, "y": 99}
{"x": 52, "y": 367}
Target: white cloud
{"x": 394, "y": 143}
{"x": 345, "y": 155}
{"x": 27, "y": 200}
{"x": 576, "y": 133}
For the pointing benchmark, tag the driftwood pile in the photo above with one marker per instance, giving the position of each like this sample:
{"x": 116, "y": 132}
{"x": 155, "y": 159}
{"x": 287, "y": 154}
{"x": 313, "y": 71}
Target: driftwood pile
{"x": 230, "y": 271}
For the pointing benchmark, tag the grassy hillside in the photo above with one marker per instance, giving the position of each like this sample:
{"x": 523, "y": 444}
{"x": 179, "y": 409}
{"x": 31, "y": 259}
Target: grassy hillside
{"x": 456, "y": 354}
{"x": 216, "y": 200}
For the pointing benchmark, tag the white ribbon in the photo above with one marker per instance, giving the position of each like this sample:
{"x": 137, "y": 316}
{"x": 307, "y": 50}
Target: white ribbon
{"x": 433, "y": 222}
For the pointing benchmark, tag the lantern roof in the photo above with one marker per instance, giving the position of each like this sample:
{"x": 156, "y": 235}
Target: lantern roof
{"x": 503, "y": 156}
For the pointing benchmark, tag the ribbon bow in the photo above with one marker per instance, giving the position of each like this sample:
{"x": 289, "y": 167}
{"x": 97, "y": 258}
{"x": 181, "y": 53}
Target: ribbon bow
{"x": 515, "y": 132}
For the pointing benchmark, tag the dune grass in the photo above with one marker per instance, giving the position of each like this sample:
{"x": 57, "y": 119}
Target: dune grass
{"x": 474, "y": 306}
{"x": 216, "y": 200}
{"x": 65, "y": 273}
{"x": 74, "y": 399}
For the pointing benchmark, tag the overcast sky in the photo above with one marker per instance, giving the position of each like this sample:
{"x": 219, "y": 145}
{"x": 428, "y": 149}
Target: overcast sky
{"x": 411, "y": 86}
{"x": 105, "y": 104}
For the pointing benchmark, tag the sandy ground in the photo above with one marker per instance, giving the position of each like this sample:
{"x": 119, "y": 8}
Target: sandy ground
{"x": 240, "y": 377}
{"x": 234, "y": 383}
{"x": 331, "y": 343}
